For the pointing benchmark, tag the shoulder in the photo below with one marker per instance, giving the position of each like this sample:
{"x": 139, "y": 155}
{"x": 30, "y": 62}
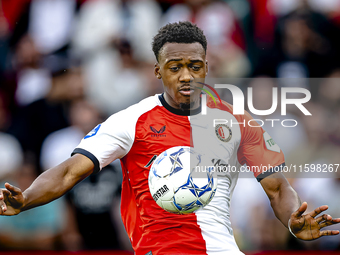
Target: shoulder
{"x": 136, "y": 110}
{"x": 225, "y": 107}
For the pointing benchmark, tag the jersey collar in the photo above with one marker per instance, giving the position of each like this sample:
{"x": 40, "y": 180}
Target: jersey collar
{"x": 178, "y": 111}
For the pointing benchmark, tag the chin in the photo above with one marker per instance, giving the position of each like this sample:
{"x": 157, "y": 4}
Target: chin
{"x": 185, "y": 107}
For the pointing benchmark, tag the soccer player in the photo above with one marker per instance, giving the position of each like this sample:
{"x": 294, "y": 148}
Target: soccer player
{"x": 138, "y": 133}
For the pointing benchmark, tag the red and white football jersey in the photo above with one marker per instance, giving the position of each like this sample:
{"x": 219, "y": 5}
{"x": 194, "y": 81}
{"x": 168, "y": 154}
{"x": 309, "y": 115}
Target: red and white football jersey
{"x": 139, "y": 133}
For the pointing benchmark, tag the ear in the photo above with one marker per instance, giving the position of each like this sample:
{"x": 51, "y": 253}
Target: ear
{"x": 157, "y": 71}
{"x": 206, "y": 67}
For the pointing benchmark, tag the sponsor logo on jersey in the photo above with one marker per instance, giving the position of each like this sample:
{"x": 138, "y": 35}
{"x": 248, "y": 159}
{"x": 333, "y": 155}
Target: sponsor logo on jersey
{"x": 220, "y": 165}
{"x": 160, "y": 192}
{"x": 223, "y": 132}
{"x": 270, "y": 143}
{"x": 158, "y": 133}
{"x": 93, "y": 132}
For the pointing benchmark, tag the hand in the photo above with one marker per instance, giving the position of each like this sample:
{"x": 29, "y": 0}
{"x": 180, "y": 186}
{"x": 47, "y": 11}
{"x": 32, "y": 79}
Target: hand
{"x": 308, "y": 227}
{"x": 11, "y": 200}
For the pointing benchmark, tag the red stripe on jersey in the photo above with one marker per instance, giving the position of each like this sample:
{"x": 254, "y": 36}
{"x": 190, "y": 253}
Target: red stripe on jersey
{"x": 149, "y": 227}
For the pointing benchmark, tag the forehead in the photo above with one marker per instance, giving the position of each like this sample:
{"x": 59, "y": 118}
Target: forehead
{"x": 181, "y": 51}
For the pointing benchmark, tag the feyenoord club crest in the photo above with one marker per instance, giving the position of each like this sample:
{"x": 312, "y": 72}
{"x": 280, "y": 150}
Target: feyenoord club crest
{"x": 223, "y": 132}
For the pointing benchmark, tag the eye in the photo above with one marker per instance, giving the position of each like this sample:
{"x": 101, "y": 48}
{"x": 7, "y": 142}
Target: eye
{"x": 196, "y": 68}
{"x": 174, "y": 69}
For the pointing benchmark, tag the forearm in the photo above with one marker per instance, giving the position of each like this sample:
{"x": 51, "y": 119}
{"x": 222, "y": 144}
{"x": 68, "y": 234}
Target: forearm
{"x": 56, "y": 181}
{"x": 285, "y": 202}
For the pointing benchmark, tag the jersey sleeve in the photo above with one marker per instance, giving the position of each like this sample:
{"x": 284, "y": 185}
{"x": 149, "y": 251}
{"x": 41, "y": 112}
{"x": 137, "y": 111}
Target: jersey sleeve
{"x": 109, "y": 140}
{"x": 258, "y": 150}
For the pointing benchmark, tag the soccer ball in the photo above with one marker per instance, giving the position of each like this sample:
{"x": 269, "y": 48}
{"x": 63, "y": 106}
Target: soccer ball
{"x": 175, "y": 184}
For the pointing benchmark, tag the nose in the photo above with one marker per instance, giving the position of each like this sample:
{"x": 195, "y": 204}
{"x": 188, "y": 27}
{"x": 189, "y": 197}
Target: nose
{"x": 186, "y": 76}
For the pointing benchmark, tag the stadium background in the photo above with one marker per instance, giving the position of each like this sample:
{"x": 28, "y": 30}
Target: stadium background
{"x": 66, "y": 65}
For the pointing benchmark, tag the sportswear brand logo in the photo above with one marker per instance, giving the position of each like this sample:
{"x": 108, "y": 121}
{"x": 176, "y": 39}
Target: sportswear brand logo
{"x": 158, "y": 133}
{"x": 161, "y": 131}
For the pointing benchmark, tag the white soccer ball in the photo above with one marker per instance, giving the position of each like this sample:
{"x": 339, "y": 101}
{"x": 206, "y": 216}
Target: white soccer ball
{"x": 175, "y": 183}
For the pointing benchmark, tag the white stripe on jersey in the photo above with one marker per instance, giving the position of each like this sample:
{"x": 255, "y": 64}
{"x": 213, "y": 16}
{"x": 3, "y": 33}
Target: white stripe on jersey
{"x": 214, "y": 219}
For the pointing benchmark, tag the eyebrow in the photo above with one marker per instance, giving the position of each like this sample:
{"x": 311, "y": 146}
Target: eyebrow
{"x": 179, "y": 59}
{"x": 196, "y": 61}
{"x": 173, "y": 60}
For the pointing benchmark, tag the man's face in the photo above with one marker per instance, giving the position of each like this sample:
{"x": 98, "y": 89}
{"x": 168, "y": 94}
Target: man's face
{"x": 179, "y": 64}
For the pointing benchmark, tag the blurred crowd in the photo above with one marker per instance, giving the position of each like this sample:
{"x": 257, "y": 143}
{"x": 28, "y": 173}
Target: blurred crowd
{"x": 66, "y": 65}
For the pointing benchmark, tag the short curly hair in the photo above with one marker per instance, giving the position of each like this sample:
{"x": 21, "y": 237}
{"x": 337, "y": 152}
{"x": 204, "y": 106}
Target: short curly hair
{"x": 181, "y": 32}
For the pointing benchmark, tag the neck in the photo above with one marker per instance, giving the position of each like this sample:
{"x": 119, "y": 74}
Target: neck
{"x": 183, "y": 111}
{"x": 182, "y": 106}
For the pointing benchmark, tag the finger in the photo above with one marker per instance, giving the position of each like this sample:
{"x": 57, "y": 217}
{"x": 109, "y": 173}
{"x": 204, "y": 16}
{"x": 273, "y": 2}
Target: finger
{"x": 301, "y": 210}
{"x": 318, "y": 210}
{"x": 330, "y": 222}
{"x": 329, "y": 232}
{"x": 3, "y": 208}
{"x": 14, "y": 190}
{"x": 4, "y": 193}
{"x": 324, "y": 217}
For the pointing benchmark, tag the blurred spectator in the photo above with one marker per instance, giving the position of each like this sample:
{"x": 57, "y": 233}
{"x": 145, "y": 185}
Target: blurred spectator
{"x": 4, "y": 113}
{"x": 282, "y": 8}
{"x": 225, "y": 37}
{"x": 331, "y": 186}
{"x": 33, "y": 81}
{"x": 127, "y": 82}
{"x": 166, "y": 4}
{"x": 49, "y": 114}
{"x": 13, "y": 11}
{"x": 94, "y": 200}
{"x": 110, "y": 66}
{"x": 215, "y": 18}
{"x": 249, "y": 198}
{"x": 4, "y": 34}
{"x": 36, "y": 229}
{"x": 329, "y": 91}
{"x": 111, "y": 20}
{"x": 319, "y": 150}
{"x": 51, "y": 23}
{"x": 59, "y": 145}
{"x": 11, "y": 156}
{"x": 305, "y": 39}
{"x": 264, "y": 22}
{"x": 317, "y": 147}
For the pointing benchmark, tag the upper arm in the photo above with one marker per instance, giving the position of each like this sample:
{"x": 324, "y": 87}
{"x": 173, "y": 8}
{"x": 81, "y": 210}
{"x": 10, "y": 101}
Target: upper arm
{"x": 108, "y": 141}
{"x": 258, "y": 150}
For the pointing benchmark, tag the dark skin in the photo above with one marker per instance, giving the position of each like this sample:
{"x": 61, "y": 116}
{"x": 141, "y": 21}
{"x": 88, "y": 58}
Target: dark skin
{"x": 179, "y": 65}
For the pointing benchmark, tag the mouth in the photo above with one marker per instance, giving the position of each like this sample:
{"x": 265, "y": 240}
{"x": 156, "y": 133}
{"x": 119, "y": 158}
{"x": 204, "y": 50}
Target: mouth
{"x": 187, "y": 90}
